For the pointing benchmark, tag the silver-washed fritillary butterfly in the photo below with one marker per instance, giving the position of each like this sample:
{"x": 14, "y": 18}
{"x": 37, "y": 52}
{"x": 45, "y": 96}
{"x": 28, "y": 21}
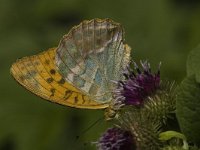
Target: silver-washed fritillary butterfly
{"x": 79, "y": 72}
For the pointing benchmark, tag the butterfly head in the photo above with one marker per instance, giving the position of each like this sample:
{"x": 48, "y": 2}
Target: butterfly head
{"x": 110, "y": 113}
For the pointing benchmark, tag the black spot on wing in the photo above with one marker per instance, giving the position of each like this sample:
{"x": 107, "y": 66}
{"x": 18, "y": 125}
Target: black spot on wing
{"x": 76, "y": 100}
{"x": 61, "y": 81}
{"x": 53, "y": 71}
{"x": 50, "y": 80}
{"x": 67, "y": 94}
{"x": 53, "y": 91}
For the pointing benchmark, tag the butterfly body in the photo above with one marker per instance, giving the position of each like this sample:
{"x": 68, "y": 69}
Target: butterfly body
{"x": 79, "y": 71}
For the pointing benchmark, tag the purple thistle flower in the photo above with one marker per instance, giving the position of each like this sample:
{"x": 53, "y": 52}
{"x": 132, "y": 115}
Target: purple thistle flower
{"x": 137, "y": 85}
{"x": 116, "y": 139}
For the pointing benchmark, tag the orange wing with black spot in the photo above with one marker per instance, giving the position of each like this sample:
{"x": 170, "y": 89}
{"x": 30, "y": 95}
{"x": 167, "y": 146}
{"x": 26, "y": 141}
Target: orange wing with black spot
{"x": 39, "y": 75}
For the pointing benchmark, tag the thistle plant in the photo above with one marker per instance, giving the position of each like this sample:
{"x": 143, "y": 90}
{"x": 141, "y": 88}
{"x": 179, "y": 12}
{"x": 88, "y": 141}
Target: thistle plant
{"x": 143, "y": 103}
{"x": 155, "y": 114}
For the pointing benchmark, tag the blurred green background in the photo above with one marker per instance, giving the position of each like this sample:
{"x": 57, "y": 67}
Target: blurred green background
{"x": 157, "y": 30}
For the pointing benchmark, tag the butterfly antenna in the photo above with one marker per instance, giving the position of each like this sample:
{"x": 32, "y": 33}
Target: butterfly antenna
{"x": 88, "y": 128}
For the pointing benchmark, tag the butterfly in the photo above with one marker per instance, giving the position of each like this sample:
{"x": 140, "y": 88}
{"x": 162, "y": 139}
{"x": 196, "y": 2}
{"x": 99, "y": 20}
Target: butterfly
{"x": 80, "y": 70}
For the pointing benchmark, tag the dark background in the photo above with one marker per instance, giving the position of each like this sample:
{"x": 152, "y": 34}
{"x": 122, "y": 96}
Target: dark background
{"x": 157, "y": 30}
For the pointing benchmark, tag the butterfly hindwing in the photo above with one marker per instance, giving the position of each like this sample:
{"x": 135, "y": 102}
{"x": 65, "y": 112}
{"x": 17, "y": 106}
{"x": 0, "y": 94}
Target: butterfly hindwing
{"x": 91, "y": 55}
{"x": 39, "y": 75}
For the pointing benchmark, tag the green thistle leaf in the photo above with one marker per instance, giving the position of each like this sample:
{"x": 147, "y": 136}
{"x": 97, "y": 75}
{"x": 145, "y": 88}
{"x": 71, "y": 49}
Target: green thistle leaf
{"x": 188, "y": 109}
{"x": 193, "y": 63}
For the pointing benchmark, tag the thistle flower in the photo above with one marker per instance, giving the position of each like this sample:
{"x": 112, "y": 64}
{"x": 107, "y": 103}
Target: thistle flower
{"x": 138, "y": 84}
{"x": 141, "y": 87}
{"x": 116, "y": 139}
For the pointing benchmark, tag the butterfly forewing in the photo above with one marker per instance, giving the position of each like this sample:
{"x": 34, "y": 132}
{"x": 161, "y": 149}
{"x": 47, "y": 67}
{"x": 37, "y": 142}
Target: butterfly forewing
{"x": 39, "y": 75}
